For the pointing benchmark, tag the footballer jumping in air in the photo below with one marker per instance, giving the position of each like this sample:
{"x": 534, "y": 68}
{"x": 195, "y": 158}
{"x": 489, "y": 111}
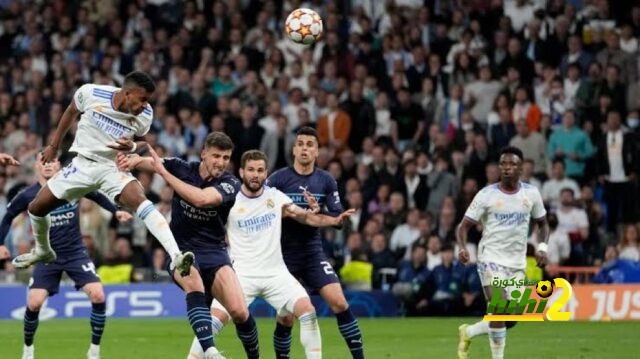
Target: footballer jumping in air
{"x": 73, "y": 259}
{"x": 254, "y": 228}
{"x": 110, "y": 118}
{"x": 301, "y": 244}
{"x": 504, "y": 209}
{"x": 204, "y": 192}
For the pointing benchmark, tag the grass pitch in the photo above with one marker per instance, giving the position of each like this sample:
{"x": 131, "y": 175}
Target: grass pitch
{"x": 399, "y": 338}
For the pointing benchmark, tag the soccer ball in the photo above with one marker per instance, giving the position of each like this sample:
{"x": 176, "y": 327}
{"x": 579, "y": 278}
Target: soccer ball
{"x": 544, "y": 288}
{"x": 303, "y": 26}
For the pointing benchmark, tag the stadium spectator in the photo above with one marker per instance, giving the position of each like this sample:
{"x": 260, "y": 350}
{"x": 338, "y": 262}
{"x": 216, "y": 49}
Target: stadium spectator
{"x": 574, "y": 222}
{"x": 558, "y": 181}
{"x": 441, "y": 294}
{"x": 533, "y": 146}
{"x": 628, "y": 247}
{"x": 405, "y": 235}
{"x": 617, "y": 162}
{"x": 559, "y": 244}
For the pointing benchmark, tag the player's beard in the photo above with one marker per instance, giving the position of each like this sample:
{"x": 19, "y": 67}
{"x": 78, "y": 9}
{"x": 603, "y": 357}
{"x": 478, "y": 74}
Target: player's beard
{"x": 253, "y": 186}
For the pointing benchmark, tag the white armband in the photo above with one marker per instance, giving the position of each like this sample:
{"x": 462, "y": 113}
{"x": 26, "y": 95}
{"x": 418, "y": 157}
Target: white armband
{"x": 135, "y": 146}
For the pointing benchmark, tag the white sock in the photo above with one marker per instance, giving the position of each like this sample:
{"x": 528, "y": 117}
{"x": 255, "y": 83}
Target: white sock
{"x": 158, "y": 226}
{"x": 196, "y": 351}
{"x": 40, "y": 227}
{"x": 497, "y": 342}
{"x": 479, "y": 328}
{"x": 310, "y": 335}
{"x": 94, "y": 348}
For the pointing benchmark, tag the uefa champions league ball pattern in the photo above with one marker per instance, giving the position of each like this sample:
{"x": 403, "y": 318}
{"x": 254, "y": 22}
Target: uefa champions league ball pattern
{"x": 304, "y": 26}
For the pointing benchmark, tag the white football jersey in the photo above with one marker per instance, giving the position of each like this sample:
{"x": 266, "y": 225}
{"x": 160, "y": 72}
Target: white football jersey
{"x": 505, "y": 219}
{"x": 100, "y": 123}
{"x": 254, "y": 226}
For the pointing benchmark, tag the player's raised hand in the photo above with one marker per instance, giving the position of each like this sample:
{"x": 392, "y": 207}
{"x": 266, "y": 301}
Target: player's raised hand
{"x": 158, "y": 165}
{"x": 541, "y": 259}
{"x": 314, "y": 207}
{"x": 123, "y": 216}
{"x": 463, "y": 255}
{"x": 344, "y": 215}
{"x": 4, "y": 253}
{"x": 49, "y": 154}
{"x": 126, "y": 163}
{"x": 8, "y": 160}
{"x": 122, "y": 144}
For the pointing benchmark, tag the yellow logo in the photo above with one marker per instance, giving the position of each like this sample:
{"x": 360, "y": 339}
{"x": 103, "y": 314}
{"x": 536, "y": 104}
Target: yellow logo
{"x": 270, "y": 203}
{"x": 98, "y": 108}
{"x": 241, "y": 210}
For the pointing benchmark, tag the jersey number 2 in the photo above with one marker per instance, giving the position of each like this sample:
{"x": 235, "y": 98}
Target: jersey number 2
{"x": 327, "y": 267}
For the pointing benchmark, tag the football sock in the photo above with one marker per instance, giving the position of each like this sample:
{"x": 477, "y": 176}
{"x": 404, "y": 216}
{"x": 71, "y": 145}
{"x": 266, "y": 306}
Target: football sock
{"x": 40, "y": 228}
{"x": 98, "y": 320}
{"x": 350, "y": 331}
{"x": 30, "y": 325}
{"x": 248, "y": 334}
{"x": 158, "y": 226}
{"x": 479, "y": 328}
{"x": 200, "y": 319}
{"x": 282, "y": 341}
{"x": 310, "y": 335}
{"x": 497, "y": 341}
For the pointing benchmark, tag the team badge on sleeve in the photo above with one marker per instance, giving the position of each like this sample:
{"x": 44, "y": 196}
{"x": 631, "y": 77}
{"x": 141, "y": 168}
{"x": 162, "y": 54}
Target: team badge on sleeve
{"x": 227, "y": 188}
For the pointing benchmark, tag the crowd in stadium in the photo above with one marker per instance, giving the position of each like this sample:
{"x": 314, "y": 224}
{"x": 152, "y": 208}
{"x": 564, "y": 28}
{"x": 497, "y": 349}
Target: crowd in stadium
{"x": 412, "y": 101}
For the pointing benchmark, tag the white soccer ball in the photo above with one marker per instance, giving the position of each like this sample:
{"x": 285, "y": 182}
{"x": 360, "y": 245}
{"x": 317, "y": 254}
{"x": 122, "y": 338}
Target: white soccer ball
{"x": 303, "y": 26}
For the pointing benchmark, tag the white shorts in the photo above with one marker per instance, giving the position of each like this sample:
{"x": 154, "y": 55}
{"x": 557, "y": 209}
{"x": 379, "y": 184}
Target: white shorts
{"x": 82, "y": 176}
{"x": 281, "y": 291}
{"x": 490, "y": 272}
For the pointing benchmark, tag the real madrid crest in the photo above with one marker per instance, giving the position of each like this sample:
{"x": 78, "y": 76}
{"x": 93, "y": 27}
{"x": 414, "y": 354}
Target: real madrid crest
{"x": 270, "y": 203}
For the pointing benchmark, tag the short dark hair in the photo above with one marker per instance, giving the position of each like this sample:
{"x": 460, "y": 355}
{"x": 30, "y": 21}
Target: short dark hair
{"x": 307, "y": 131}
{"x": 558, "y": 160}
{"x": 252, "y": 155}
{"x": 512, "y": 151}
{"x": 568, "y": 189}
{"x": 140, "y": 79}
{"x": 219, "y": 140}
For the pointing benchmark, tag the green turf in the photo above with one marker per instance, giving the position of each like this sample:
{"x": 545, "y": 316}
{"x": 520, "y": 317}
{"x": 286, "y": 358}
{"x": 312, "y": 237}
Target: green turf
{"x": 384, "y": 338}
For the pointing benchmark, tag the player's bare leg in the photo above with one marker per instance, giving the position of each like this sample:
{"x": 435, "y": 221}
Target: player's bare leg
{"x": 133, "y": 197}
{"x": 39, "y": 210}
{"x": 226, "y": 288}
{"x": 347, "y": 323}
{"x": 98, "y": 318}
{"x": 35, "y": 300}
{"x": 309, "y": 330}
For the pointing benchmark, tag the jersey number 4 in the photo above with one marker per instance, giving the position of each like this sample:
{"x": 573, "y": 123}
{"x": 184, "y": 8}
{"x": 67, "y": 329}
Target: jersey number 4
{"x": 90, "y": 267}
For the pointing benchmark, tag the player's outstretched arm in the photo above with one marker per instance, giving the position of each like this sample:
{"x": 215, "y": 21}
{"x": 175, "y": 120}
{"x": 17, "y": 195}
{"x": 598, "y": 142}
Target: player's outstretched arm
{"x": 14, "y": 208}
{"x": 543, "y": 240}
{"x": 8, "y": 160}
{"x": 130, "y": 162}
{"x": 462, "y": 230}
{"x": 68, "y": 117}
{"x": 314, "y": 219}
{"x": 199, "y": 197}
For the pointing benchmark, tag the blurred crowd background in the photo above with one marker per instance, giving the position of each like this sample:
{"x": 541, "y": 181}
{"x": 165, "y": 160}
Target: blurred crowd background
{"x": 412, "y": 100}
